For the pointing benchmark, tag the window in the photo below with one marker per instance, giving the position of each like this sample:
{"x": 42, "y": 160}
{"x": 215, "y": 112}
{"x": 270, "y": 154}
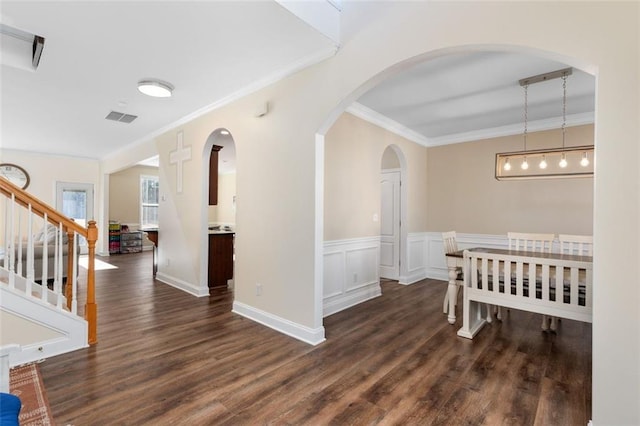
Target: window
{"x": 149, "y": 195}
{"x": 75, "y": 200}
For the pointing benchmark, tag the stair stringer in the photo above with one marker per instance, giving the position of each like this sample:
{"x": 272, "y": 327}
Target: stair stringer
{"x": 71, "y": 330}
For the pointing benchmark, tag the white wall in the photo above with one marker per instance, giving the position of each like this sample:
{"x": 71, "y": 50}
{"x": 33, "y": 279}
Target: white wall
{"x": 280, "y": 167}
{"x": 45, "y": 170}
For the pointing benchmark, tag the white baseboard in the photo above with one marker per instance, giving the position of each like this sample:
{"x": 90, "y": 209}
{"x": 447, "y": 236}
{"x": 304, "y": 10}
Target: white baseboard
{"x": 290, "y": 328}
{"x": 333, "y": 305}
{"x": 412, "y": 278}
{"x": 182, "y": 285}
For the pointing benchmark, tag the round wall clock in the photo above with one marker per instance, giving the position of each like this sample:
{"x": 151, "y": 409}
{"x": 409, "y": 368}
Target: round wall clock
{"x": 15, "y": 174}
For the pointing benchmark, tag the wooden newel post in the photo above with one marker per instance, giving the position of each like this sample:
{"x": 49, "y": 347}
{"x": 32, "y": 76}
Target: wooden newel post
{"x": 68, "y": 290}
{"x": 91, "y": 308}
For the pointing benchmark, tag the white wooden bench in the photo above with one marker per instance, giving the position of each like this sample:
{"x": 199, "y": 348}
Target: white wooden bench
{"x": 505, "y": 277}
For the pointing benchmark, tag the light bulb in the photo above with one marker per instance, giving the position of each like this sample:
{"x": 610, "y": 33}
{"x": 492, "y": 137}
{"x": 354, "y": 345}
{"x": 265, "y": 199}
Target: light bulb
{"x": 563, "y": 162}
{"x": 507, "y": 165}
{"x": 543, "y": 163}
{"x": 524, "y": 165}
{"x": 585, "y": 160}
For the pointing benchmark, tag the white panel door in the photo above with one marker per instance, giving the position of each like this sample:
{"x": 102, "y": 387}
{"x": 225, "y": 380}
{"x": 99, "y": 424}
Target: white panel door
{"x": 390, "y": 225}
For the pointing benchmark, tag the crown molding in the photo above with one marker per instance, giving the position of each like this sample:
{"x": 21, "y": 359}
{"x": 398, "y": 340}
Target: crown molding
{"x": 393, "y": 126}
{"x": 293, "y": 68}
{"x": 513, "y": 129}
{"x": 386, "y": 123}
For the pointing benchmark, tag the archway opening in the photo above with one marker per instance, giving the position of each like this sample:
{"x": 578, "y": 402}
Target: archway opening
{"x": 219, "y": 211}
{"x": 421, "y": 258}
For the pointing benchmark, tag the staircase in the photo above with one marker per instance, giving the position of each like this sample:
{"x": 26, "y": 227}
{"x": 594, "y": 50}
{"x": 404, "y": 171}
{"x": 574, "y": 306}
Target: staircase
{"x": 39, "y": 284}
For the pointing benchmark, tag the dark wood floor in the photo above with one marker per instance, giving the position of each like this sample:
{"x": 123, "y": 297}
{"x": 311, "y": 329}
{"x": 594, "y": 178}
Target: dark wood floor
{"x": 165, "y": 357}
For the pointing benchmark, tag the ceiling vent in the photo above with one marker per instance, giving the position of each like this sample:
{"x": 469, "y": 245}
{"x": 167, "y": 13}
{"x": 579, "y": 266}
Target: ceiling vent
{"x": 121, "y": 117}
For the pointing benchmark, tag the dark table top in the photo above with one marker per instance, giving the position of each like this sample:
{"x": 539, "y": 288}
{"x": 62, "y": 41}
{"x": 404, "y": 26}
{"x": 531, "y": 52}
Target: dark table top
{"x": 524, "y": 253}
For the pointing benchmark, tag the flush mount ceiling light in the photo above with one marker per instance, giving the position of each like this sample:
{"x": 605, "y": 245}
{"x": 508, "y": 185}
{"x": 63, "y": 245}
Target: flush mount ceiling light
{"x": 155, "y": 88}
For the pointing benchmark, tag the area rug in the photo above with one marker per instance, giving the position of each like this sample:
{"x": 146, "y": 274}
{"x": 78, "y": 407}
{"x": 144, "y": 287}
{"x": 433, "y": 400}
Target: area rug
{"x": 26, "y": 383}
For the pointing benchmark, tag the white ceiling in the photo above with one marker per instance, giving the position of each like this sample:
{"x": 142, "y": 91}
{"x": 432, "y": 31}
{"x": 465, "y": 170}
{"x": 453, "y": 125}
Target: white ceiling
{"x": 470, "y": 96}
{"x": 95, "y": 52}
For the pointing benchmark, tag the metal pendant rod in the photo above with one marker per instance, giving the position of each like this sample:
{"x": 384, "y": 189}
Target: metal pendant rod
{"x": 546, "y": 77}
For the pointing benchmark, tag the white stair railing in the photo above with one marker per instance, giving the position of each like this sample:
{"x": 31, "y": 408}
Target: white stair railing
{"x": 44, "y": 264}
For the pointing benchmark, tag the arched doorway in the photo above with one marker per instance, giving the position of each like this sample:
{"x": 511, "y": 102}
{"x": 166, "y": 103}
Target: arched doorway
{"x": 354, "y": 96}
{"x": 392, "y": 213}
{"x": 219, "y": 195}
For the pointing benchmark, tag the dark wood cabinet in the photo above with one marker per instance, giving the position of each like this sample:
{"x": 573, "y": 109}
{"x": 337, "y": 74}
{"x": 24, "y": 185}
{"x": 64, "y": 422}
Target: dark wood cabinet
{"x": 152, "y": 234}
{"x": 220, "y": 259}
{"x": 213, "y": 175}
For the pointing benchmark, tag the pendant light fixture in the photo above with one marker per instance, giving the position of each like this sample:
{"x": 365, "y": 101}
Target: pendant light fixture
{"x": 525, "y": 165}
{"x": 551, "y": 163}
{"x": 585, "y": 160}
{"x": 563, "y": 161}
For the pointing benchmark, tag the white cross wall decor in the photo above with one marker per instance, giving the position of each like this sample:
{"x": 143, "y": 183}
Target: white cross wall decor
{"x": 178, "y": 157}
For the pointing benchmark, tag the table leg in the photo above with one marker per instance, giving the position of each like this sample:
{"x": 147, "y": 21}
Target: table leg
{"x": 453, "y": 294}
{"x": 472, "y": 318}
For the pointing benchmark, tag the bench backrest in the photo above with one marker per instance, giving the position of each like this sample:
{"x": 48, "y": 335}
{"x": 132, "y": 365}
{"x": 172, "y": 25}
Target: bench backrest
{"x": 549, "y": 285}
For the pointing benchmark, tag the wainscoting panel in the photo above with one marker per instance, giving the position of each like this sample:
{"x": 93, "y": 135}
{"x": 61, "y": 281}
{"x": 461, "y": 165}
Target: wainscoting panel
{"x": 334, "y": 267}
{"x": 386, "y": 254}
{"x": 416, "y": 258}
{"x": 350, "y": 273}
{"x": 361, "y": 267}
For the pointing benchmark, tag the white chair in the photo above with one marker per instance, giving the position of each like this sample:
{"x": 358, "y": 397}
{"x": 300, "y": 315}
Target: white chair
{"x": 581, "y": 245}
{"x": 541, "y": 243}
{"x": 450, "y": 246}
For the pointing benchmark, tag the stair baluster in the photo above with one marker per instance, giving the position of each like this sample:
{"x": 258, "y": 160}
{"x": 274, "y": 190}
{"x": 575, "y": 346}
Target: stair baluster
{"x": 18, "y": 267}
